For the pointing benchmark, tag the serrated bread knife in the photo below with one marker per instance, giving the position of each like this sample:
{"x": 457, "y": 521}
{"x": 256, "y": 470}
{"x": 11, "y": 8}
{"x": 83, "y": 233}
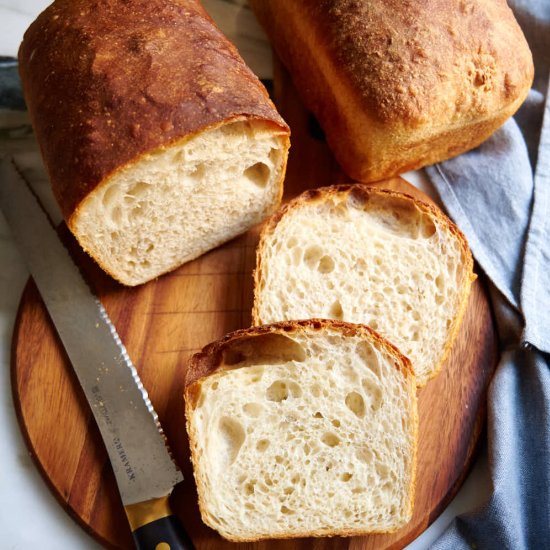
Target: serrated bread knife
{"x": 144, "y": 470}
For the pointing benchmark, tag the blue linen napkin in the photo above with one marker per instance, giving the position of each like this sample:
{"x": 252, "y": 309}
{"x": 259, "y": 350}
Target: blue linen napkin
{"x": 499, "y": 195}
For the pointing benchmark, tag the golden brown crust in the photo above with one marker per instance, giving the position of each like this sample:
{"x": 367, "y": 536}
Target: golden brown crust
{"x": 107, "y": 81}
{"x": 209, "y": 359}
{"x": 399, "y": 85}
{"x": 364, "y": 195}
{"x": 208, "y": 362}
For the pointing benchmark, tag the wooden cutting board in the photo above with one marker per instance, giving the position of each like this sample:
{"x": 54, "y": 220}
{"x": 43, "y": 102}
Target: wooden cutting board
{"x": 163, "y": 322}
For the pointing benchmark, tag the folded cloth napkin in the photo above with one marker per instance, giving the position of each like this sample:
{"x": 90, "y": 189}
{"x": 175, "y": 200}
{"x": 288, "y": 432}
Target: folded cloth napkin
{"x": 499, "y": 195}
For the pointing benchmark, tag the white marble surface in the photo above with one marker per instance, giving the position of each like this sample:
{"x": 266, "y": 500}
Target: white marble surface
{"x": 30, "y": 517}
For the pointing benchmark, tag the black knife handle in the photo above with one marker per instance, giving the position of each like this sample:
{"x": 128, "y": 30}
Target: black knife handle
{"x": 155, "y": 527}
{"x": 163, "y": 534}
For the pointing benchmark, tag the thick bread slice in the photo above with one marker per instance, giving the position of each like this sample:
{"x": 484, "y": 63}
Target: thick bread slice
{"x": 304, "y": 428}
{"x": 160, "y": 143}
{"x": 371, "y": 256}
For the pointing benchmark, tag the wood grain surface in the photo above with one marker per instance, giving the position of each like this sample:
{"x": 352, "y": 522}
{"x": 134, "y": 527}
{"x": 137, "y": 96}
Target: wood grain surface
{"x": 163, "y": 322}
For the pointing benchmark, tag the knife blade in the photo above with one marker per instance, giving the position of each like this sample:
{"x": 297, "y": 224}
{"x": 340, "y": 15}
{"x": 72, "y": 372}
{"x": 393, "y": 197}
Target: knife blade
{"x": 138, "y": 451}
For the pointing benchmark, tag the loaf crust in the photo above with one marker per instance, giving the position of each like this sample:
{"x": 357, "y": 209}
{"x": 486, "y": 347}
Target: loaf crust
{"x": 107, "y": 81}
{"x": 363, "y": 193}
{"x": 210, "y": 360}
{"x": 400, "y": 85}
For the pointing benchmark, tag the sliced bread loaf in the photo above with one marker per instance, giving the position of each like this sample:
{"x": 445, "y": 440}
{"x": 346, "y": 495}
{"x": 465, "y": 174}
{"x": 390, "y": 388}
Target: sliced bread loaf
{"x": 160, "y": 143}
{"x": 371, "y": 256}
{"x": 302, "y": 429}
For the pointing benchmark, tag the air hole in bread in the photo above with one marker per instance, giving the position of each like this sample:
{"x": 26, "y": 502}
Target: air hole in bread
{"x": 297, "y": 255}
{"x": 232, "y": 437}
{"x": 355, "y": 403}
{"x": 253, "y": 409}
{"x": 312, "y": 256}
{"x": 262, "y": 445}
{"x": 336, "y": 311}
{"x": 258, "y": 174}
{"x": 364, "y": 455}
{"x": 326, "y": 264}
{"x": 109, "y": 196}
{"x": 373, "y": 394}
{"x": 137, "y": 190}
{"x": 330, "y": 439}
{"x": 286, "y": 510}
{"x": 427, "y": 228}
{"x": 292, "y": 242}
{"x": 346, "y": 476}
{"x": 116, "y": 215}
{"x": 263, "y": 349}
{"x": 281, "y": 390}
{"x": 368, "y": 355}
{"x": 382, "y": 470}
{"x": 197, "y": 172}
{"x": 391, "y": 213}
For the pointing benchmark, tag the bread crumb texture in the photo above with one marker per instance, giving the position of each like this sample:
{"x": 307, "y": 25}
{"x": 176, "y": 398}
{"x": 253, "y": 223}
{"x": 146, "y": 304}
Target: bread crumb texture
{"x": 367, "y": 256}
{"x": 305, "y": 433}
{"x": 178, "y": 202}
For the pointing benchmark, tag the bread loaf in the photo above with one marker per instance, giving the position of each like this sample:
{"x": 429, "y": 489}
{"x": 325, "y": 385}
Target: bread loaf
{"x": 399, "y": 85}
{"x": 159, "y": 142}
{"x": 365, "y": 255}
{"x": 302, "y": 429}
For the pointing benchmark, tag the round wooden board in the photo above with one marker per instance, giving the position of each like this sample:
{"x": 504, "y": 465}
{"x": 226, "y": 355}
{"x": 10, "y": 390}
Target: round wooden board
{"x": 163, "y": 322}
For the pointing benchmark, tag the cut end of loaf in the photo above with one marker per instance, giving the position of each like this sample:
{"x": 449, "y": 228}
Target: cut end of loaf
{"x": 302, "y": 429}
{"x": 175, "y": 203}
{"x": 370, "y": 256}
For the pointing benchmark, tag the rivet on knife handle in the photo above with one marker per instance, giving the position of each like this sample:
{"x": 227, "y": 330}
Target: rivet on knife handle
{"x": 154, "y": 527}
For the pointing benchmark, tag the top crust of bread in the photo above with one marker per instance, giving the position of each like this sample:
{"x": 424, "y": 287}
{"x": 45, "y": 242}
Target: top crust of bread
{"x": 210, "y": 358}
{"x": 107, "y": 81}
{"x": 399, "y": 85}
{"x": 365, "y": 195}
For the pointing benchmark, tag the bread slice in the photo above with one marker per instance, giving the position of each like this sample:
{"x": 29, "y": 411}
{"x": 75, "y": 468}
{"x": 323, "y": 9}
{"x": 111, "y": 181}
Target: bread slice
{"x": 303, "y": 428}
{"x": 371, "y": 256}
{"x": 159, "y": 142}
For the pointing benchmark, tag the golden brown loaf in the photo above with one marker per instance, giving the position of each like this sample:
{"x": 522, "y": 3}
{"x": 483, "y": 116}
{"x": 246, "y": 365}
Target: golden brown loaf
{"x": 159, "y": 141}
{"x": 303, "y": 428}
{"x": 400, "y": 85}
